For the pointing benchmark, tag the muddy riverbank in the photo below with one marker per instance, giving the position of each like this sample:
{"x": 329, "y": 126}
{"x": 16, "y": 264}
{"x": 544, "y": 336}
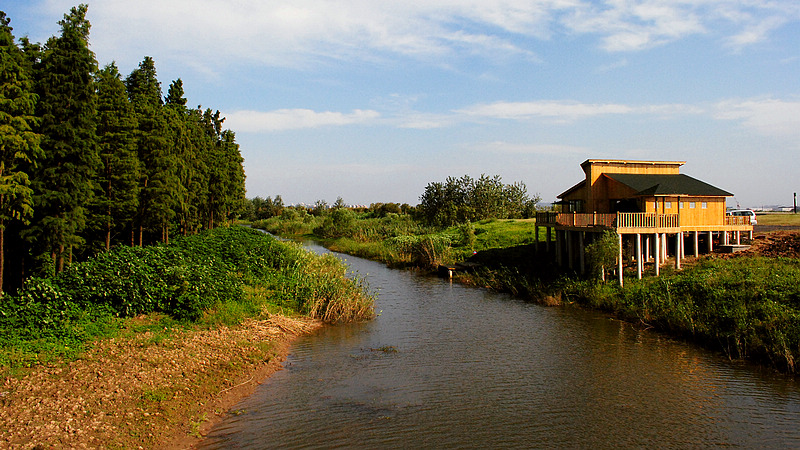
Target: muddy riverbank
{"x": 152, "y": 389}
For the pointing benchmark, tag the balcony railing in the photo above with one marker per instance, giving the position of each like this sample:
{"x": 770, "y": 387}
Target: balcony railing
{"x": 647, "y": 220}
{"x": 619, "y": 220}
{"x": 737, "y": 220}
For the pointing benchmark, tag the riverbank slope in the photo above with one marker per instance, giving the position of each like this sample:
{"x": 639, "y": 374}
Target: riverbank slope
{"x": 160, "y": 388}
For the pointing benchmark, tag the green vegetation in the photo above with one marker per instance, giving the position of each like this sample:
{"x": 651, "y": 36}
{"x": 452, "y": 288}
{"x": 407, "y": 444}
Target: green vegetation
{"x": 89, "y": 161}
{"x": 461, "y": 200}
{"x": 779, "y": 219}
{"x": 398, "y": 239}
{"x": 219, "y": 276}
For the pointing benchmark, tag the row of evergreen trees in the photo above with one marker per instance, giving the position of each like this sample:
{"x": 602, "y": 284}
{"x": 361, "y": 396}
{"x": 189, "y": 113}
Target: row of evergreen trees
{"x": 89, "y": 160}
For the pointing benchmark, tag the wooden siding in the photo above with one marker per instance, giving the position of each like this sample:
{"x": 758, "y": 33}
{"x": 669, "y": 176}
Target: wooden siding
{"x": 599, "y": 193}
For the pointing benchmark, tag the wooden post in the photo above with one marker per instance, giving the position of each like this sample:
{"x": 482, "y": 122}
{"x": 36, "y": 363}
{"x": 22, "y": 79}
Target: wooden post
{"x": 638, "y": 256}
{"x": 536, "y": 238}
{"x": 549, "y": 238}
{"x": 581, "y": 253}
{"x": 558, "y": 247}
{"x": 570, "y": 249}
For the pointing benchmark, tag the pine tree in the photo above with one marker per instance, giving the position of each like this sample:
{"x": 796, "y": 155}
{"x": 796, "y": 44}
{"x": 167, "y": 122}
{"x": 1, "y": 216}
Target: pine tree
{"x": 19, "y": 145}
{"x": 156, "y": 199}
{"x": 64, "y": 181}
{"x": 226, "y": 189}
{"x": 119, "y": 179}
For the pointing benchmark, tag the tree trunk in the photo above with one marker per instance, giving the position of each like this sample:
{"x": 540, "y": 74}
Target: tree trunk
{"x": 2, "y": 253}
{"x": 108, "y": 235}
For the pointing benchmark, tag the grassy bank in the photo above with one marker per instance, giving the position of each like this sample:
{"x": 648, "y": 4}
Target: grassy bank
{"x": 398, "y": 240}
{"x": 746, "y": 306}
{"x": 138, "y": 344}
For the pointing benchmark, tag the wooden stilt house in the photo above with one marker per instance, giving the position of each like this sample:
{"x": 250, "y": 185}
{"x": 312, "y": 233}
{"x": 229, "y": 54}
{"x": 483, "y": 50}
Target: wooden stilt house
{"x": 654, "y": 209}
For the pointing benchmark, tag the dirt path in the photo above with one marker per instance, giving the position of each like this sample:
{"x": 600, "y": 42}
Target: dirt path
{"x": 147, "y": 390}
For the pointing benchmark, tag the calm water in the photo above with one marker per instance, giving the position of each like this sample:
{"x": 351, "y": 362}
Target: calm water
{"x": 456, "y": 367}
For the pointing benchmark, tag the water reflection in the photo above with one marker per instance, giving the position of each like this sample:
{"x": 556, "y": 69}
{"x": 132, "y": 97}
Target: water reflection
{"x": 450, "y": 366}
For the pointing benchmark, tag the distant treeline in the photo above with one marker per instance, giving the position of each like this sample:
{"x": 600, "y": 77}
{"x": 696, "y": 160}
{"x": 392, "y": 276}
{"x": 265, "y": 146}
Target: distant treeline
{"x": 456, "y": 201}
{"x": 259, "y": 208}
{"x": 89, "y": 160}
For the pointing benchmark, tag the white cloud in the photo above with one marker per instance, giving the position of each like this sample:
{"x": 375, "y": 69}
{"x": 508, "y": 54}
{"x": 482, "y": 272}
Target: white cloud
{"x": 562, "y": 110}
{"x": 294, "y": 33}
{"x": 770, "y": 117}
{"x": 294, "y": 119}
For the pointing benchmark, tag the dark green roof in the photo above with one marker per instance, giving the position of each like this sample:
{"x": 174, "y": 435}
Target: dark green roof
{"x": 678, "y": 184}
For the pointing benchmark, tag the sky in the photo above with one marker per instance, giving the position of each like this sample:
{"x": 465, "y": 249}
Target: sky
{"x": 372, "y": 100}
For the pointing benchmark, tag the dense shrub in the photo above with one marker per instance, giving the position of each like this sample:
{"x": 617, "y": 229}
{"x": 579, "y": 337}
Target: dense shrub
{"x": 184, "y": 280}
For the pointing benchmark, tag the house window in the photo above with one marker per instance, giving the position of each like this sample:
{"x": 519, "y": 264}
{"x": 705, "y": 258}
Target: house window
{"x": 682, "y": 205}
{"x": 704, "y": 205}
{"x": 691, "y": 205}
{"x": 668, "y": 205}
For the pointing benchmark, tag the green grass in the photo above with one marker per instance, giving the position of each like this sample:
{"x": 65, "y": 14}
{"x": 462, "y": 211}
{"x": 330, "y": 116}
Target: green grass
{"x": 779, "y": 219}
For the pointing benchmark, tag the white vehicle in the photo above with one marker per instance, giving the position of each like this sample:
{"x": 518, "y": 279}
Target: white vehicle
{"x": 744, "y": 212}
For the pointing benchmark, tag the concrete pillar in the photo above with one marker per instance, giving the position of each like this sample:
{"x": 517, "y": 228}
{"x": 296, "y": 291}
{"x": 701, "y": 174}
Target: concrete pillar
{"x": 738, "y": 237}
{"x": 710, "y": 242}
{"x": 638, "y": 256}
{"x": 619, "y": 260}
{"x": 647, "y": 247}
{"x": 678, "y": 250}
{"x": 683, "y": 246}
{"x": 696, "y": 243}
{"x": 657, "y": 254}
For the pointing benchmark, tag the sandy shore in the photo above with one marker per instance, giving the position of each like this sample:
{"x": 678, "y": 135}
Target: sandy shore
{"x": 144, "y": 390}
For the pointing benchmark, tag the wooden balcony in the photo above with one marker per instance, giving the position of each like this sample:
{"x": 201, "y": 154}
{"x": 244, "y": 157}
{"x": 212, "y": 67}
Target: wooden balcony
{"x": 635, "y": 222}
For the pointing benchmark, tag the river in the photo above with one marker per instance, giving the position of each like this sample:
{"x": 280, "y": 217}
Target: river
{"x": 449, "y": 366}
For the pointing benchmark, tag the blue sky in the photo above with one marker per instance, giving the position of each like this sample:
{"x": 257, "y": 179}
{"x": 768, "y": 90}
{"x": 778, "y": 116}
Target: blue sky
{"x": 372, "y": 100}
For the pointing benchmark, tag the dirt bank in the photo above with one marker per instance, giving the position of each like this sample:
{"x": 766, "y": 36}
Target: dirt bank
{"x": 144, "y": 390}
{"x": 774, "y": 244}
